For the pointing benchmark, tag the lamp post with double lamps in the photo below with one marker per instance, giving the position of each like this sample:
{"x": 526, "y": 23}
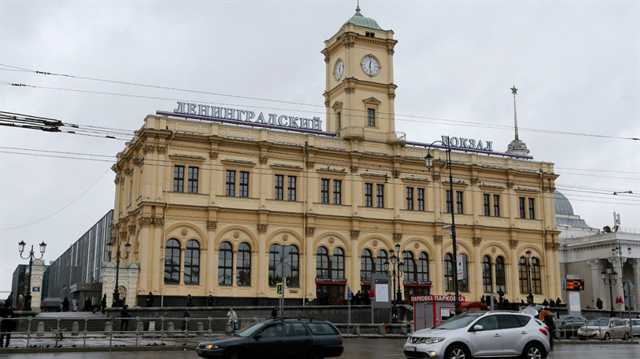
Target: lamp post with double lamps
{"x": 116, "y": 293}
{"x": 529, "y": 279}
{"x": 617, "y": 250}
{"x": 31, "y": 256}
{"x": 609, "y": 277}
{"x": 428, "y": 160}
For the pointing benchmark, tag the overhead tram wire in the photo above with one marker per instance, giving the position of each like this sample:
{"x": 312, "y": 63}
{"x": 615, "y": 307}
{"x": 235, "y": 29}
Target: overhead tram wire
{"x": 398, "y": 116}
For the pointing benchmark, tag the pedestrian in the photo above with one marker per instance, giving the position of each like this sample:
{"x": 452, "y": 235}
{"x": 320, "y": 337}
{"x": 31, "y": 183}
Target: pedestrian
{"x": 87, "y": 305}
{"x": 232, "y": 320}
{"x": 65, "y": 304}
{"x": 148, "y": 301}
{"x": 103, "y": 304}
{"x": 274, "y": 312}
{"x": 210, "y": 301}
{"x": 189, "y": 300}
{"x": 599, "y": 304}
{"x": 546, "y": 315}
{"x": 7, "y": 326}
{"x": 185, "y": 322}
{"x": 124, "y": 319}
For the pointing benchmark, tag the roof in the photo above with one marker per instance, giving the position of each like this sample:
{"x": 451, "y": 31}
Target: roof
{"x": 563, "y": 206}
{"x": 360, "y": 20}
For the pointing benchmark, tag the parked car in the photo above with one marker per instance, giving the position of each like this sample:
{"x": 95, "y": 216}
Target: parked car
{"x": 278, "y": 338}
{"x": 568, "y": 325}
{"x": 481, "y": 334}
{"x": 605, "y": 329}
{"x": 635, "y": 327}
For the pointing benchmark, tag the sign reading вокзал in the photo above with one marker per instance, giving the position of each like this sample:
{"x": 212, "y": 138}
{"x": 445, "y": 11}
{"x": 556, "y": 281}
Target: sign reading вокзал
{"x": 240, "y": 115}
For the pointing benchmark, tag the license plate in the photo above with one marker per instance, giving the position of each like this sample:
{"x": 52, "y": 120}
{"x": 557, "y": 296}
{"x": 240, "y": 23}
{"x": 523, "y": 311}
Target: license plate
{"x": 411, "y": 348}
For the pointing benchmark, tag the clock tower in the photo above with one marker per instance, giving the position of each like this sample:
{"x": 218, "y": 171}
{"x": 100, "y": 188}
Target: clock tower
{"x": 360, "y": 92}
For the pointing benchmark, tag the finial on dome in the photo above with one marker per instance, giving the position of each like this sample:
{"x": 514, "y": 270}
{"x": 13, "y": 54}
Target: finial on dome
{"x": 358, "y": 7}
{"x": 516, "y": 146}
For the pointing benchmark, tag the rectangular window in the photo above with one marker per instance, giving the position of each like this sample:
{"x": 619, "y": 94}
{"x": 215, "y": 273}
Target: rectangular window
{"x": 523, "y": 212}
{"x": 380, "y": 195}
{"x": 449, "y": 205}
{"x": 486, "y": 205}
{"x": 410, "y": 198}
{"x": 324, "y": 191}
{"x": 244, "y": 184}
{"x": 532, "y": 208}
{"x": 279, "y": 188}
{"x": 231, "y": 183}
{"x": 193, "y": 179}
{"x": 420, "y": 199}
{"x": 496, "y": 205}
{"x": 178, "y": 179}
{"x": 337, "y": 192}
{"x": 371, "y": 117}
{"x": 291, "y": 190}
{"x": 460, "y": 202}
{"x": 368, "y": 194}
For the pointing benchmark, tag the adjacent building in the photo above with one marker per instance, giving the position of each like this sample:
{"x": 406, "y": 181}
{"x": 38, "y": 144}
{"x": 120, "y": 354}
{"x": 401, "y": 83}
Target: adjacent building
{"x": 608, "y": 260}
{"x": 76, "y": 274}
{"x": 229, "y": 202}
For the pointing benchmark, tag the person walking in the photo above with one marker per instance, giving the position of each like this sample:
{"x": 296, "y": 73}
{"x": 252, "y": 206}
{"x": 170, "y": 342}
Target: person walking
{"x": 65, "y": 304}
{"x": 232, "y": 320}
{"x": 546, "y": 315}
{"x": 148, "y": 301}
{"x": 103, "y": 304}
{"x": 124, "y": 319}
{"x": 274, "y": 313}
{"x": 7, "y": 326}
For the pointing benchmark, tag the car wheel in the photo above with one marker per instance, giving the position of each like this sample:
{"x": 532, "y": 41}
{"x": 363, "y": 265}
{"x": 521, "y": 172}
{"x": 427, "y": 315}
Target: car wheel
{"x": 606, "y": 336}
{"x": 534, "y": 351}
{"x": 457, "y": 351}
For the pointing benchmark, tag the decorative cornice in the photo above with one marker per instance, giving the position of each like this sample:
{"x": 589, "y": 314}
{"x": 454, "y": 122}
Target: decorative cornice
{"x": 239, "y": 163}
{"x": 128, "y": 171}
{"x": 185, "y": 157}
{"x": 332, "y": 170}
{"x": 158, "y": 221}
{"x": 371, "y": 101}
{"x": 132, "y": 228}
{"x": 138, "y": 161}
{"x": 286, "y": 167}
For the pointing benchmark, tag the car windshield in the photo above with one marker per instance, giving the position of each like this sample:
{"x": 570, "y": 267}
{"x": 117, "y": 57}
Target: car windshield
{"x": 249, "y": 331}
{"x": 598, "y": 322}
{"x": 573, "y": 319}
{"x": 458, "y": 322}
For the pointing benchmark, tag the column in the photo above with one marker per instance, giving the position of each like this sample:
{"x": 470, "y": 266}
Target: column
{"x": 618, "y": 289}
{"x": 636, "y": 281}
{"x": 596, "y": 282}
{"x": 37, "y": 272}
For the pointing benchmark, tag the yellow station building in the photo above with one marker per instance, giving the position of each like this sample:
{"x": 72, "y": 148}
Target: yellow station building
{"x": 226, "y": 202}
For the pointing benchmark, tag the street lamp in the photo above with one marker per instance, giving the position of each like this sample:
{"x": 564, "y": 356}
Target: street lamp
{"x": 530, "y": 280}
{"x": 30, "y": 257}
{"x": 618, "y": 250}
{"x": 116, "y": 293}
{"x": 428, "y": 161}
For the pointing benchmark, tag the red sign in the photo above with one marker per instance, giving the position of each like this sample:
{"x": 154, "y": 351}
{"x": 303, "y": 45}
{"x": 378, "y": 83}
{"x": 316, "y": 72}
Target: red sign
{"x": 437, "y": 298}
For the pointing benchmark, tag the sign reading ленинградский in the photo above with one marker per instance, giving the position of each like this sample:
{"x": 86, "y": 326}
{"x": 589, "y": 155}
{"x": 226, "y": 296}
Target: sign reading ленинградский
{"x": 240, "y": 115}
{"x": 467, "y": 143}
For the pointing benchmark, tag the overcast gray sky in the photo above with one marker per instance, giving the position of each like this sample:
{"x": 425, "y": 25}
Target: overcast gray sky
{"x": 576, "y": 64}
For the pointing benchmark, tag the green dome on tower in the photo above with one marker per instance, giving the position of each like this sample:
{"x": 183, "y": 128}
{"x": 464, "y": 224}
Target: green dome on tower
{"x": 360, "y": 20}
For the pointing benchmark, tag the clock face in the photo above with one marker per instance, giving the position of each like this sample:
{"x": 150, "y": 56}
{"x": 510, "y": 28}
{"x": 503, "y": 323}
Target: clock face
{"x": 339, "y": 70}
{"x": 370, "y": 65}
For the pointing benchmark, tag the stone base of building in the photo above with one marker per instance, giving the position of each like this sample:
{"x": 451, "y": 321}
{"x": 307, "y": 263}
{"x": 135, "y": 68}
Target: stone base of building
{"x": 182, "y": 301}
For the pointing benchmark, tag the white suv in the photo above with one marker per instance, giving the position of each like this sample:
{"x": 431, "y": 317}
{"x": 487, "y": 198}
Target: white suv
{"x": 481, "y": 334}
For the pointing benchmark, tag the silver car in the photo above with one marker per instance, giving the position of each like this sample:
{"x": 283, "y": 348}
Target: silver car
{"x": 605, "y": 329}
{"x": 635, "y": 327}
{"x": 481, "y": 334}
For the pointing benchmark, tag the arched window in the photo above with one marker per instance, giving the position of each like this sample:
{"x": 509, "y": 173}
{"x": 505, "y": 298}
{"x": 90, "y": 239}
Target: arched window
{"x": 284, "y": 261}
{"x": 463, "y": 283}
{"x": 275, "y": 268}
{"x": 337, "y": 264}
{"x": 383, "y": 257}
{"x": 292, "y": 269}
{"x": 366, "y": 266}
{"x": 192, "y": 263}
{"x": 448, "y": 272}
{"x": 523, "y": 270}
{"x": 423, "y": 268}
{"x": 409, "y": 267}
{"x": 501, "y": 278}
{"x": 322, "y": 263}
{"x": 487, "y": 281}
{"x": 536, "y": 277}
{"x": 243, "y": 265}
{"x": 225, "y": 264}
{"x": 172, "y": 262}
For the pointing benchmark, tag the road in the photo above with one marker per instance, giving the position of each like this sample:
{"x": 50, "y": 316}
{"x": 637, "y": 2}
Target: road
{"x": 362, "y": 349}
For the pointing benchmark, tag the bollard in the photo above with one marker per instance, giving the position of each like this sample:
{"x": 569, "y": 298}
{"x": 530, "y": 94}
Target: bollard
{"x": 108, "y": 326}
{"x": 152, "y": 326}
{"x": 40, "y": 330}
{"x": 75, "y": 328}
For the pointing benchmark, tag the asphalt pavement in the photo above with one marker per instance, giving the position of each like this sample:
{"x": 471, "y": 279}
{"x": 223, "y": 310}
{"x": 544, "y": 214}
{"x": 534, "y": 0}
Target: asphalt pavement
{"x": 358, "y": 349}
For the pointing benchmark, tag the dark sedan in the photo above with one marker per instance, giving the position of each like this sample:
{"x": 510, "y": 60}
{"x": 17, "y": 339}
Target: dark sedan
{"x": 278, "y": 338}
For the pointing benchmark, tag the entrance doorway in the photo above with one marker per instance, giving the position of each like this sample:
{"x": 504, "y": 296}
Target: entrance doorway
{"x": 330, "y": 292}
